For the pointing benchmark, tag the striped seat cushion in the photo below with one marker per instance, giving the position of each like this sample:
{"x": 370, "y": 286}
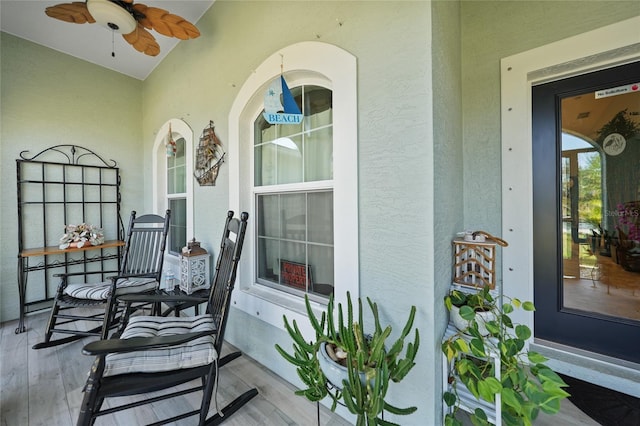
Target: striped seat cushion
{"x": 100, "y": 291}
{"x": 195, "y": 353}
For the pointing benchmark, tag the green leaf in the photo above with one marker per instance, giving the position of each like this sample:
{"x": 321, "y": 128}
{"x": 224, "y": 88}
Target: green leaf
{"x": 506, "y": 321}
{"x": 536, "y": 358}
{"x": 507, "y": 308}
{"x": 528, "y": 306}
{"x": 551, "y": 405}
{"x": 473, "y": 388}
{"x": 467, "y": 312}
{"x": 510, "y": 399}
{"x": 479, "y": 418}
{"x": 461, "y": 345}
{"x": 547, "y": 374}
{"x": 477, "y": 348}
{"x": 494, "y": 385}
{"x": 447, "y": 303}
{"x": 523, "y": 332}
{"x": 553, "y": 389}
{"x": 450, "y": 420}
{"x": 485, "y": 391}
{"x": 449, "y": 399}
{"x": 492, "y": 327}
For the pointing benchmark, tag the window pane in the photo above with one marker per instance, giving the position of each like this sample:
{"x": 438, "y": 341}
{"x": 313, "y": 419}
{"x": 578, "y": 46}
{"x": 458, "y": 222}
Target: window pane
{"x": 321, "y": 261}
{"x": 171, "y": 179}
{"x": 177, "y": 225}
{"x": 320, "y": 217}
{"x": 318, "y": 155}
{"x": 263, "y": 131}
{"x": 318, "y": 110}
{"x": 292, "y": 129}
{"x": 180, "y": 152}
{"x": 265, "y": 165}
{"x": 292, "y": 254}
{"x": 268, "y": 259}
{"x": 289, "y": 159}
{"x": 293, "y": 213}
{"x": 176, "y": 170}
{"x": 268, "y": 217}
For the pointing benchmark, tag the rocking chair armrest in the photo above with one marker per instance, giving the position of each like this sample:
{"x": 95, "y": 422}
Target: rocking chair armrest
{"x": 108, "y": 346}
{"x": 121, "y": 276}
{"x": 72, "y": 274}
{"x": 153, "y": 298}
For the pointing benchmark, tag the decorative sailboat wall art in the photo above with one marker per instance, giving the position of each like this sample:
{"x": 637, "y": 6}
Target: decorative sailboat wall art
{"x": 279, "y": 105}
{"x": 209, "y": 157}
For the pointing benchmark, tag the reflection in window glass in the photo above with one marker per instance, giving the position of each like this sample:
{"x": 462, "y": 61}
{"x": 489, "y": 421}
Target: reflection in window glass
{"x": 601, "y": 203}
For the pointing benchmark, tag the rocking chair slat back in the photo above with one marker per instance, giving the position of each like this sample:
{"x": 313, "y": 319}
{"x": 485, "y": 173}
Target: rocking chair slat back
{"x": 145, "y": 246}
{"x": 225, "y": 273}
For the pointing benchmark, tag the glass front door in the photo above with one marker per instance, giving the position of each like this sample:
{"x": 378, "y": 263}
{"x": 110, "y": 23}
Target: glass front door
{"x": 587, "y": 211}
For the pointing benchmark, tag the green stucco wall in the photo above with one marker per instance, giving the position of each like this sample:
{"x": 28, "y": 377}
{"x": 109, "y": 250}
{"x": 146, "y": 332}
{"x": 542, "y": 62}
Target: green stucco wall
{"x": 492, "y": 30}
{"x": 48, "y": 99}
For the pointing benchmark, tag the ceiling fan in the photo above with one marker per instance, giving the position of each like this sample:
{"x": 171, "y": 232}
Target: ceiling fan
{"x": 130, "y": 20}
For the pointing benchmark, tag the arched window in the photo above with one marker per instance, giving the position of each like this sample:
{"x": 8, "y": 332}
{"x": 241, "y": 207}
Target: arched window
{"x": 173, "y": 184}
{"x": 299, "y": 182}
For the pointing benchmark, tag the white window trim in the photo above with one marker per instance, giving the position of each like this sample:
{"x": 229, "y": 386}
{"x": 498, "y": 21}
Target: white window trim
{"x": 303, "y": 63}
{"x": 601, "y": 48}
{"x": 159, "y": 169}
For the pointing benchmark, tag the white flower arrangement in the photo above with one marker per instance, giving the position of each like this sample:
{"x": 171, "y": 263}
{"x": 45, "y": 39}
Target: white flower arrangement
{"x": 81, "y": 235}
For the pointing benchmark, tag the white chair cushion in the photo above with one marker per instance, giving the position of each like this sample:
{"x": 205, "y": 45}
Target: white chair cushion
{"x": 100, "y": 291}
{"x": 195, "y": 353}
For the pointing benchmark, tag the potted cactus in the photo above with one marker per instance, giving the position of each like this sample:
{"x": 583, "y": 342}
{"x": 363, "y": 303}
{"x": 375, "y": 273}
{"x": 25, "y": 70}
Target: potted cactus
{"x": 350, "y": 365}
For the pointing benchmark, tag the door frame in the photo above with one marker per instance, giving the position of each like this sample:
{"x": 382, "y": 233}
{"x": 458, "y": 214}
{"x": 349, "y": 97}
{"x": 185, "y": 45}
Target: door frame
{"x": 601, "y": 48}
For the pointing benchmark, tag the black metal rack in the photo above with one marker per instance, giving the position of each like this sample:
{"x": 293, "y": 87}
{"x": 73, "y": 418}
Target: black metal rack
{"x": 80, "y": 187}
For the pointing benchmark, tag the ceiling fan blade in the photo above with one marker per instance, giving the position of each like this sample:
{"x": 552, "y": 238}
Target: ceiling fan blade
{"x": 142, "y": 41}
{"x": 75, "y": 12}
{"x": 166, "y": 23}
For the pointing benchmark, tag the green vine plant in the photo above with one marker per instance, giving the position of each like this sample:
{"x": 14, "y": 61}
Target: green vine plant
{"x": 526, "y": 385}
{"x": 371, "y": 363}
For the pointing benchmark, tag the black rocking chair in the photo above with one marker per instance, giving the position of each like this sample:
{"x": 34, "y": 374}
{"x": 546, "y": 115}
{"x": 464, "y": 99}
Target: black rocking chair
{"x": 152, "y": 353}
{"x": 140, "y": 272}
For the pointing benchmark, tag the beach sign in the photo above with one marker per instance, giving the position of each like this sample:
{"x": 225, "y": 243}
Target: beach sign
{"x": 279, "y": 105}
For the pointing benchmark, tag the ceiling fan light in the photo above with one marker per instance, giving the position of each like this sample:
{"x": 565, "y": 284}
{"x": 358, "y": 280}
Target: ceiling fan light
{"x": 112, "y": 16}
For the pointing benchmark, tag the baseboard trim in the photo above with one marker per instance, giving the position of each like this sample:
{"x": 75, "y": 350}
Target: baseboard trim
{"x": 620, "y": 375}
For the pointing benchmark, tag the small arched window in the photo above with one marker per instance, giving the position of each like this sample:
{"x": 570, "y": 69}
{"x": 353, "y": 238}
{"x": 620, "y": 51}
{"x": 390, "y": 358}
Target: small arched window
{"x": 173, "y": 183}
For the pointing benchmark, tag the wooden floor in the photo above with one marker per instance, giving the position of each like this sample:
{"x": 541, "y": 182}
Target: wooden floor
{"x": 44, "y": 387}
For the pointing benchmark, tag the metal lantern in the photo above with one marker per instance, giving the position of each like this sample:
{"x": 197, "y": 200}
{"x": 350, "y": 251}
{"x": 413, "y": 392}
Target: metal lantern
{"x": 194, "y": 268}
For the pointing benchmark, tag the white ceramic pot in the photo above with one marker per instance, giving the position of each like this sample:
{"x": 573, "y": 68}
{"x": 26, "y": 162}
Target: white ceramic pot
{"x": 481, "y": 318}
{"x": 333, "y": 371}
